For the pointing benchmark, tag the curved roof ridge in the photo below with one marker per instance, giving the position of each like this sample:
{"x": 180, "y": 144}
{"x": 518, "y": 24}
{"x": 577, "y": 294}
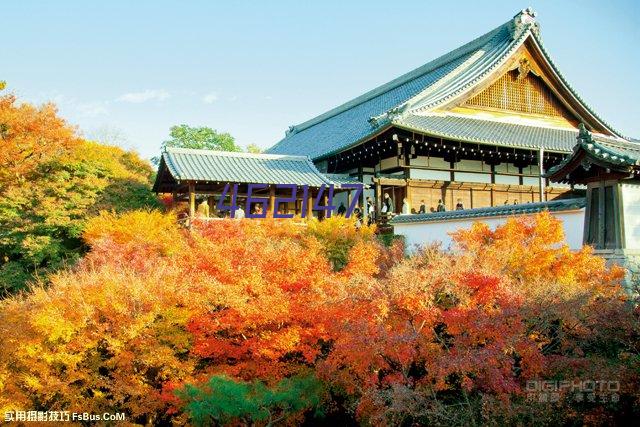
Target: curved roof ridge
{"x": 200, "y": 151}
{"x": 482, "y": 70}
{"x": 438, "y": 83}
{"x": 613, "y": 152}
{"x": 411, "y": 75}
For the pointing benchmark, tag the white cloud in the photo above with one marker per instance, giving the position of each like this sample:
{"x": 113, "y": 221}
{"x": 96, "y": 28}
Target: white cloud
{"x": 91, "y": 109}
{"x": 210, "y": 98}
{"x": 70, "y": 105}
{"x": 147, "y": 95}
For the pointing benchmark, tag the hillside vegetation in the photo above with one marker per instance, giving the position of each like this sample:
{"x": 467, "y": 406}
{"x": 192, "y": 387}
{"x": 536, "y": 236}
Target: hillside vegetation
{"x": 51, "y": 183}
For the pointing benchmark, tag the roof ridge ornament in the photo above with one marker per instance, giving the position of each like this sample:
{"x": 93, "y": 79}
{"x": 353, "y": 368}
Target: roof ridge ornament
{"x": 584, "y": 136}
{"x": 290, "y": 131}
{"x": 387, "y": 116}
{"x": 524, "y": 20}
{"x": 374, "y": 121}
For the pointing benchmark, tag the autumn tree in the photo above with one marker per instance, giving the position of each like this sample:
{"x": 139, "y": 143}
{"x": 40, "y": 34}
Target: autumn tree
{"x": 453, "y": 337}
{"x": 153, "y": 307}
{"x": 51, "y": 182}
{"x": 107, "y": 335}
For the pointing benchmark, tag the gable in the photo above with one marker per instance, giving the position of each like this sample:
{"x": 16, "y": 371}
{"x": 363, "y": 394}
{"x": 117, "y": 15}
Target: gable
{"x": 521, "y": 91}
{"x": 527, "y": 85}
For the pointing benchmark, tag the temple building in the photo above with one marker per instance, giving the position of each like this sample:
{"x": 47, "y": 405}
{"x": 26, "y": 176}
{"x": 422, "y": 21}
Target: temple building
{"x": 476, "y": 127}
{"x": 487, "y": 131}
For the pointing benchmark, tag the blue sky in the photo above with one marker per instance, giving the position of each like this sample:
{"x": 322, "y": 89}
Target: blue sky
{"x": 133, "y": 69}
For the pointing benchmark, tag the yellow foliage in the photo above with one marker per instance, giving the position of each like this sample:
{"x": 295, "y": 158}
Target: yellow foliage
{"x": 153, "y": 230}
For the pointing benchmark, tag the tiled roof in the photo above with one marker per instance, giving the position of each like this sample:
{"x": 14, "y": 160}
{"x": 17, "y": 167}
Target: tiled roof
{"x": 493, "y": 132}
{"x": 222, "y": 166}
{"x": 622, "y": 152}
{"x": 505, "y": 210}
{"x": 350, "y": 125}
{"x": 618, "y": 154}
{"x": 417, "y": 92}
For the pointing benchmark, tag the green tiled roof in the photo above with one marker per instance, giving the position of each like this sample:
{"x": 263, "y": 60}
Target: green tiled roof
{"x": 493, "y": 132}
{"x": 222, "y": 166}
{"x": 418, "y": 92}
{"x": 505, "y": 210}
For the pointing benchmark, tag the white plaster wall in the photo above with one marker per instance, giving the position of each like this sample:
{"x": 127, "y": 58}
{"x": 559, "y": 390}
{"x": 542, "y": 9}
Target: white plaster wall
{"x": 573, "y": 224}
{"x": 631, "y": 210}
{"x": 425, "y": 233}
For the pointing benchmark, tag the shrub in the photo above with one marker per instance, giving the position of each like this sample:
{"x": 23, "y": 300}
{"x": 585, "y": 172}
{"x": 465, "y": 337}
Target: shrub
{"x": 225, "y": 401}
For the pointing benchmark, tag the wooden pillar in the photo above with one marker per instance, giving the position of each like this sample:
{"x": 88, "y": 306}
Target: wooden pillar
{"x": 325, "y": 202}
{"x": 211, "y": 201}
{"x": 543, "y": 196}
{"x": 348, "y": 199}
{"x": 361, "y": 179}
{"x": 409, "y": 194}
{"x": 174, "y": 200}
{"x": 378, "y": 199}
{"x": 295, "y": 203}
{"x": 272, "y": 201}
{"x": 309, "y": 205}
{"x": 192, "y": 201}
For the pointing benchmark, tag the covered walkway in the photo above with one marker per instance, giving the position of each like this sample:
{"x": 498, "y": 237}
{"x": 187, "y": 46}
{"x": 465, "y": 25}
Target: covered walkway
{"x": 272, "y": 183}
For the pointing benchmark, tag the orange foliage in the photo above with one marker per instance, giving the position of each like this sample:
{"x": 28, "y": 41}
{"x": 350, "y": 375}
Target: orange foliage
{"x": 508, "y": 305}
{"x": 426, "y": 339}
{"x": 30, "y": 136}
{"x": 152, "y": 306}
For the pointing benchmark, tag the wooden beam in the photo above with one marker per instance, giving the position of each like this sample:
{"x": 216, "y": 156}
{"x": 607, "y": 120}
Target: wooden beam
{"x": 409, "y": 194}
{"x": 325, "y": 202}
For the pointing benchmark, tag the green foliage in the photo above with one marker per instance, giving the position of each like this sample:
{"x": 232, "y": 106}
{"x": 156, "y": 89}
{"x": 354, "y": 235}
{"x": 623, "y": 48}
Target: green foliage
{"x": 387, "y": 239}
{"x": 205, "y": 138}
{"x": 224, "y": 401}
